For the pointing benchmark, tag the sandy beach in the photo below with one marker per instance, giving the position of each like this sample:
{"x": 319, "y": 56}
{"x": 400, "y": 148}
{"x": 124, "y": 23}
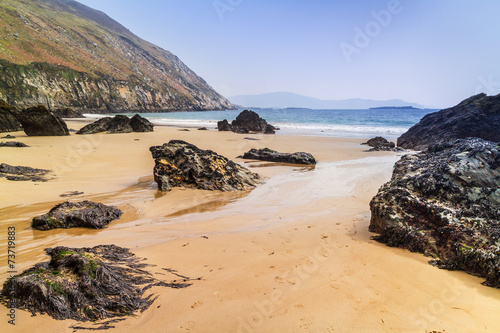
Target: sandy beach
{"x": 293, "y": 255}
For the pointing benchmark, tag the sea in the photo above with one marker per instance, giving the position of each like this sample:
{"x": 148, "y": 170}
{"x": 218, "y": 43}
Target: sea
{"x": 365, "y": 123}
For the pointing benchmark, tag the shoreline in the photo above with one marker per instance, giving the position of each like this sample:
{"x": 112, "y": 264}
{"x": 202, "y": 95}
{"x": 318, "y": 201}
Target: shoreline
{"x": 294, "y": 254}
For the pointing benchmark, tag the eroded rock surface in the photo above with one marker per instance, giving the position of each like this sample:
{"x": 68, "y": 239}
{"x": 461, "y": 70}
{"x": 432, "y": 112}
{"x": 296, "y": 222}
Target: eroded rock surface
{"x": 445, "y": 203}
{"x": 179, "y": 163}
{"x": 84, "y": 214}
{"x": 270, "y": 155}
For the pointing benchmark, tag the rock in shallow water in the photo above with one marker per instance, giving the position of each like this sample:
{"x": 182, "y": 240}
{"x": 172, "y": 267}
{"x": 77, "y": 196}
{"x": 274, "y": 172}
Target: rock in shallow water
{"x": 84, "y": 214}
{"x": 445, "y": 203}
{"x": 179, "y": 163}
{"x": 270, "y": 155}
{"x": 84, "y": 284}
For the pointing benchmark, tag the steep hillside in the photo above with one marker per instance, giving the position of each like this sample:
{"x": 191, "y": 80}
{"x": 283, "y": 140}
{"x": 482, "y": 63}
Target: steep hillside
{"x": 64, "y": 54}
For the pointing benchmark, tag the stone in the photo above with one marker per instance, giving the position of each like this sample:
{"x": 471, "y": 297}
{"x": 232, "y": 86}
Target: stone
{"x": 8, "y": 121}
{"x": 118, "y": 124}
{"x": 382, "y": 144}
{"x": 23, "y": 173}
{"x": 38, "y": 121}
{"x": 445, "y": 203}
{"x": 84, "y": 284}
{"x": 477, "y": 116}
{"x": 247, "y": 122}
{"x": 270, "y": 155}
{"x": 83, "y": 214}
{"x": 181, "y": 164}
{"x": 141, "y": 124}
{"x": 13, "y": 144}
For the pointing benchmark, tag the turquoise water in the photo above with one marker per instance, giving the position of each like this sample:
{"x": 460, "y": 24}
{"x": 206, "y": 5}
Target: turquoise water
{"x": 388, "y": 122}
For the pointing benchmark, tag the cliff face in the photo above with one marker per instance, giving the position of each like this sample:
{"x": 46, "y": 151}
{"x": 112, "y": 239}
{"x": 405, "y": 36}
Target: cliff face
{"x": 61, "y": 53}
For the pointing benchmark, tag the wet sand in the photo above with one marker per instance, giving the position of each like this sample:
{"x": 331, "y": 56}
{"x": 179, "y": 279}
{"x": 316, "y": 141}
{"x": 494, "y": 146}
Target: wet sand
{"x": 293, "y": 255}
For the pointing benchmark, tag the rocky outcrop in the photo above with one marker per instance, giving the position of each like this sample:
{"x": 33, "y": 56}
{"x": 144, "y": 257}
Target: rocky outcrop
{"x": 68, "y": 113}
{"x": 38, "y": 121}
{"x": 14, "y": 144}
{"x": 382, "y": 144}
{"x": 118, "y": 124}
{"x": 270, "y": 155}
{"x": 8, "y": 121}
{"x": 84, "y": 284}
{"x": 179, "y": 163}
{"x": 247, "y": 122}
{"x": 84, "y": 214}
{"x": 23, "y": 173}
{"x": 445, "y": 203}
{"x": 89, "y": 62}
{"x": 477, "y": 116}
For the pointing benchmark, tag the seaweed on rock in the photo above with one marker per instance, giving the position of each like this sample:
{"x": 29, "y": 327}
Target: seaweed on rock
{"x": 84, "y": 284}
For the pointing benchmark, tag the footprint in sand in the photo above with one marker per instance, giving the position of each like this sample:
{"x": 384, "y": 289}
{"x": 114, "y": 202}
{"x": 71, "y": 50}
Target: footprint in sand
{"x": 197, "y": 304}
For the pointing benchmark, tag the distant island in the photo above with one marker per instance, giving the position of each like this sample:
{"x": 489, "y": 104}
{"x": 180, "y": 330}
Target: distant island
{"x": 396, "y": 107}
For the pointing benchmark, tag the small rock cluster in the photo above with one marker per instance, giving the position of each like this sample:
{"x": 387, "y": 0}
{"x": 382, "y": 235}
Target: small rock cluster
{"x": 118, "y": 124}
{"x": 270, "y": 155}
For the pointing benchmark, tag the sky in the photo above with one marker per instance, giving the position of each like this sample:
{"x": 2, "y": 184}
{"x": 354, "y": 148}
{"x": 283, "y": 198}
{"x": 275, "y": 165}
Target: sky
{"x": 435, "y": 53}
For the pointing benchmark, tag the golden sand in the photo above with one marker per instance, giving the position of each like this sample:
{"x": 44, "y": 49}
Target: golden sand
{"x": 293, "y": 255}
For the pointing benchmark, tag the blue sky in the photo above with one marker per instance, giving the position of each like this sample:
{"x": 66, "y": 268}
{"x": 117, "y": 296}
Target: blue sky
{"x": 434, "y": 53}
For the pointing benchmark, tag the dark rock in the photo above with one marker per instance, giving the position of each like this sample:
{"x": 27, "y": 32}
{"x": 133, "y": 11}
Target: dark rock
{"x": 23, "y": 173}
{"x": 183, "y": 130}
{"x": 250, "y": 121}
{"x": 179, "y": 163}
{"x": 8, "y": 121}
{"x": 246, "y": 122}
{"x": 38, "y": 121}
{"x": 8, "y": 136}
{"x": 98, "y": 126}
{"x": 270, "y": 155}
{"x": 381, "y": 144}
{"x": 68, "y": 113}
{"x": 84, "y": 284}
{"x": 13, "y": 144}
{"x": 141, "y": 124}
{"x": 224, "y": 125}
{"x": 252, "y": 139}
{"x": 477, "y": 116}
{"x": 202, "y": 129}
{"x": 84, "y": 214}
{"x": 445, "y": 203}
{"x": 118, "y": 124}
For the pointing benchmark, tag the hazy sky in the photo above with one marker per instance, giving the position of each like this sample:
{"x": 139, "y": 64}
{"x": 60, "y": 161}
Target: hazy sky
{"x": 431, "y": 52}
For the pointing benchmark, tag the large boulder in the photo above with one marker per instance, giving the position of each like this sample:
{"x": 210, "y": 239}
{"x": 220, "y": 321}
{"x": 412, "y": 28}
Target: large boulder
{"x": 445, "y": 203}
{"x": 38, "y": 121}
{"x": 118, "y": 124}
{"x": 270, "y": 155}
{"x": 477, "y": 116}
{"x": 84, "y": 214}
{"x": 247, "y": 121}
{"x": 8, "y": 121}
{"x": 84, "y": 284}
{"x": 179, "y": 163}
